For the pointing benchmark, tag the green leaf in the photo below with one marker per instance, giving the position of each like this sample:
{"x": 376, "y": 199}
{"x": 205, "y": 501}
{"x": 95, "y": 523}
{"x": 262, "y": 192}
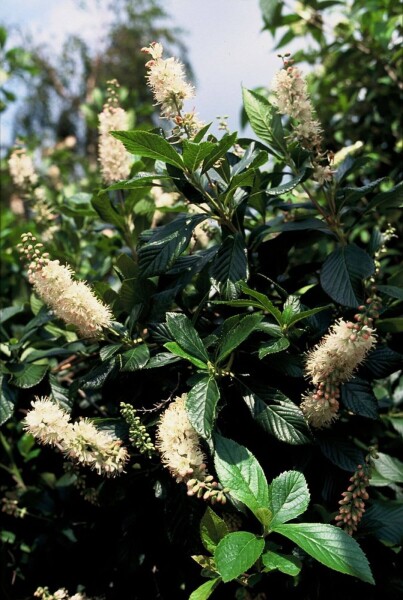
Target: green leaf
{"x": 219, "y": 151}
{"x": 340, "y": 451}
{"x": 110, "y": 350}
{"x": 304, "y": 314}
{"x": 239, "y": 470}
{"x": 288, "y": 497}
{"x": 284, "y": 420}
{"x": 264, "y": 301}
{"x": 343, "y": 273}
{"x": 236, "y": 553}
{"x": 212, "y": 530}
{"x": 9, "y": 312}
{"x": 391, "y": 290}
{"x": 193, "y": 153}
{"x": 28, "y": 375}
{"x": 382, "y": 361}
{"x": 95, "y": 379}
{"x": 160, "y": 360}
{"x": 289, "y": 565}
{"x": 108, "y": 213}
{"x": 274, "y": 346}
{"x": 135, "y": 359}
{"x": 331, "y": 546}
{"x": 201, "y": 405}
{"x": 386, "y": 470}
{"x": 140, "y": 180}
{"x": 166, "y": 244}
{"x": 230, "y": 266}
{"x": 358, "y": 397}
{"x": 151, "y": 145}
{"x": 178, "y": 351}
{"x": 391, "y": 325}
{"x": 391, "y": 199}
{"x": 235, "y": 335}
{"x": 183, "y": 332}
{"x": 205, "y": 590}
{"x": 261, "y": 114}
{"x": 287, "y": 187}
{"x": 60, "y": 394}
{"x": 8, "y": 399}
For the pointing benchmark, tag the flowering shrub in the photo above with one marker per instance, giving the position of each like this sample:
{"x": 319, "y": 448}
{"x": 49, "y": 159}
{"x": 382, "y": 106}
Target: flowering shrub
{"x": 236, "y": 361}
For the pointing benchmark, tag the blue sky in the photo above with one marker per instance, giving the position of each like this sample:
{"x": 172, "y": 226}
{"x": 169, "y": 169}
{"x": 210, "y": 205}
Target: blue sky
{"x": 226, "y": 46}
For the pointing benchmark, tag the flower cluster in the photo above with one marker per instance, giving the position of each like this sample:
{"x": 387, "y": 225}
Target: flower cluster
{"x": 291, "y": 98}
{"x": 81, "y": 441}
{"x": 166, "y": 78}
{"x": 72, "y": 301}
{"x": 352, "y": 505}
{"x": 115, "y": 161}
{"x": 179, "y": 445}
{"x": 333, "y": 362}
{"x": 138, "y": 434}
{"x": 61, "y": 594}
{"x": 22, "y": 169}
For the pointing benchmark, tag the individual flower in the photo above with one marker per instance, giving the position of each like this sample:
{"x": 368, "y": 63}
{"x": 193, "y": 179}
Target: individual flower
{"x": 178, "y": 442}
{"x": 72, "y": 301}
{"x": 22, "y": 169}
{"x": 81, "y": 441}
{"x": 47, "y": 422}
{"x": 115, "y": 161}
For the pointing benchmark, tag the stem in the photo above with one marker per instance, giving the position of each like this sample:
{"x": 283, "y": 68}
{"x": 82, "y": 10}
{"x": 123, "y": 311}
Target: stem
{"x": 13, "y": 469}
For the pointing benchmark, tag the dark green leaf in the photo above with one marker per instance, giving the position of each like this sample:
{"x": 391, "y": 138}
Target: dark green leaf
{"x": 284, "y": 419}
{"x": 151, "y": 145}
{"x": 357, "y": 396}
{"x": 341, "y": 452}
{"x": 239, "y": 470}
{"x": 212, "y": 530}
{"x": 343, "y": 273}
{"x": 289, "y": 565}
{"x": 235, "y": 335}
{"x": 288, "y": 497}
{"x": 260, "y": 114}
{"x": 59, "y": 394}
{"x": 8, "y": 399}
{"x": 108, "y": 351}
{"x": 382, "y": 361}
{"x": 201, "y": 405}
{"x": 108, "y": 213}
{"x": 236, "y": 553}
{"x": 288, "y": 186}
{"x": 264, "y": 301}
{"x": 304, "y": 314}
{"x": 386, "y": 470}
{"x": 274, "y": 346}
{"x": 178, "y": 351}
{"x": 166, "y": 244}
{"x": 96, "y": 378}
{"x": 135, "y": 359}
{"x": 384, "y": 519}
{"x": 219, "y": 151}
{"x": 28, "y": 375}
{"x": 391, "y": 290}
{"x": 138, "y": 181}
{"x": 9, "y": 312}
{"x": 230, "y": 266}
{"x": 160, "y": 360}
{"x": 331, "y": 546}
{"x": 391, "y": 199}
{"x": 183, "y": 332}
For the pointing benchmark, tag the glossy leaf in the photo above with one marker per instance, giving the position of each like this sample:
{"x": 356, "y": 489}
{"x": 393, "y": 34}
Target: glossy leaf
{"x": 150, "y": 145}
{"x": 212, "y": 529}
{"x": 236, "y": 553}
{"x": 289, "y": 565}
{"x": 234, "y": 336}
{"x": 274, "y": 346}
{"x": 201, "y": 405}
{"x": 288, "y": 497}
{"x": 183, "y": 332}
{"x": 230, "y": 266}
{"x": 331, "y": 546}
{"x": 204, "y": 591}
{"x": 358, "y": 397}
{"x": 135, "y": 359}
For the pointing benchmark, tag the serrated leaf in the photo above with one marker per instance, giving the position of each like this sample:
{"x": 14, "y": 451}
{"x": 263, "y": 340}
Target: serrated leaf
{"x": 201, "y": 405}
{"x": 288, "y": 186}
{"x": 331, "y": 546}
{"x": 135, "y": 359}
{"x": 288, "y": 497}
{"x": 193, "y": 153}
{"x": 138, "y": 181}
{"x": 390, "y": 199}
{"x": 183, "y": 332}
{"x": 59, "y": 394}
{"x": 304, "y": 314}
{"x": 150, "y": 145}
{"x": 8, "y": 398}
{"x": 357, "y": 396}
{"x": 236, "y": 553}
{"x": 341, "y": 452}
{"x": 386, "y": 470}
{"x": 239, "y": 470}
{"x": 108, "y": 213}
{"x": 274, "y": 346}
{"x": 391, "y": 290}
{"x": 289, "y": 564}
{"x": 160, "y": 360}
{"x": 264, "y": 301}
{"x": 237, "y": 334}
{"x": 178, "y": 351}
{"x": 96, "y": 378}
{"x": 260, "y": 114}
{"x": 219, "y": 151}
{"x": 28, "y": 375}
{"x": 382, "y": 361}
{"x": 212, "y": 530}
{"x": 205, "y": 590}
{"x": 166, "y": 244}
{"x": 384, "y": 520}
{"x": 230, "y": 266}
{"x": 284, "y": 419}
{"x": 343, "y": 273}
